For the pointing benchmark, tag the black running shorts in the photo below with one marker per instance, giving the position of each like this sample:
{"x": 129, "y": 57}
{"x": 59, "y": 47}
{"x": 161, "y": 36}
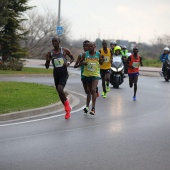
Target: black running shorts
{"x": 103, "y": 72}
{"x": 60, "y": 77}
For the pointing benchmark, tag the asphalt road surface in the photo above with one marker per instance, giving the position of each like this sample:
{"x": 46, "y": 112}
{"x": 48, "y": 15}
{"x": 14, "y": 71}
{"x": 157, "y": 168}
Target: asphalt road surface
{"x": 123, "y": 135}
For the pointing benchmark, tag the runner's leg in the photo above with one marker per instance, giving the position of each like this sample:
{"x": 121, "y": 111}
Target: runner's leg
{"x": 93, "y": 92}
{"x": 88, "y": 98}
{"x": 135, "y": 84}
{"x": 130, "y": 81}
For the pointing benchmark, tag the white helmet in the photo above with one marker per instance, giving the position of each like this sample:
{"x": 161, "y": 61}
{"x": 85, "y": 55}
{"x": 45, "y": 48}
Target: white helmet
{"x": 166, "y": 49}
{"x": 113, "y": 43}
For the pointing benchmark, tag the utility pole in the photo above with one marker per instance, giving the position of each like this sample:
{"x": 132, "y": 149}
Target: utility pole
{"x": 59, "y": 5}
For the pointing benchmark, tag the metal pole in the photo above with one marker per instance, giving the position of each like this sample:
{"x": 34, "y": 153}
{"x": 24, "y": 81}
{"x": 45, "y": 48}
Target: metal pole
{"x": 59, "y": 4}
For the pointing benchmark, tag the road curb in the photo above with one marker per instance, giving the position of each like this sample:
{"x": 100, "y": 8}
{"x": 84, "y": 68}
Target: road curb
{"x": 53, "y": 109}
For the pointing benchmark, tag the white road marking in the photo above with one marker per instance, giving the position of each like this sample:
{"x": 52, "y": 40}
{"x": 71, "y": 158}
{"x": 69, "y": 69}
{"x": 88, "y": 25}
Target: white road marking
{"x": 45, "y": 118}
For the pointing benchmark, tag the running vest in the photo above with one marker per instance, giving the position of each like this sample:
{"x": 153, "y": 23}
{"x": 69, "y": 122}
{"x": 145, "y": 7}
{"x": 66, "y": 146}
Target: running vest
{"x": 107, "y": 57}
{"x": 58, "y": 60}
{"x": 93, "y": 67}
{"x": 135, "y": 63}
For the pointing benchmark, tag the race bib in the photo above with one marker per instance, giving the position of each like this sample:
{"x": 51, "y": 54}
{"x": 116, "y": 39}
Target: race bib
{"x": 106, "y": 59}
{"x": 58, "y": 62}
{"x": 135, "y": 64}
{"x": 91, "y": 66}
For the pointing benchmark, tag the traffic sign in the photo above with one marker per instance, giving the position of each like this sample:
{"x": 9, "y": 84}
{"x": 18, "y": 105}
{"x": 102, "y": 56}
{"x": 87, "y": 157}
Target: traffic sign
{"x": 59, "y": 30}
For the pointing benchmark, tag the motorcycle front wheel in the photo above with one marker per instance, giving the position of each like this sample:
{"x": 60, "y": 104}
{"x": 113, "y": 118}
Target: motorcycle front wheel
{"x": 116, "y": 84}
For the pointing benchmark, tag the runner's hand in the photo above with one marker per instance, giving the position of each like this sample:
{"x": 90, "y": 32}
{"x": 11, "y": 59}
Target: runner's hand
{"x": 85, "y": 63}
{"x": 68, "y": 63}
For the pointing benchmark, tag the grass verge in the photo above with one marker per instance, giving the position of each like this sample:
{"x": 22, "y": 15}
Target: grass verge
{"x": 17, "y": 96}
{"x": 28, "y": 70}
{"x": 152, "y": 63}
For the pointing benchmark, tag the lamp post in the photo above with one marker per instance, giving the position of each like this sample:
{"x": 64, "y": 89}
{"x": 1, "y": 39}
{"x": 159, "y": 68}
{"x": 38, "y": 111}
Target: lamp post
{"x": 59, "y": 4}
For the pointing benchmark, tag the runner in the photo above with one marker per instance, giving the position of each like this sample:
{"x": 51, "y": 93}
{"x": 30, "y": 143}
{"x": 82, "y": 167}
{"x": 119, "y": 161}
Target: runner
{"x": 105, "y": 68}
{"x": 133, "y": 69}
{"x": 60, "y": 73}
{"x": 91, "y": 61}
{"x": 77, "y": 64}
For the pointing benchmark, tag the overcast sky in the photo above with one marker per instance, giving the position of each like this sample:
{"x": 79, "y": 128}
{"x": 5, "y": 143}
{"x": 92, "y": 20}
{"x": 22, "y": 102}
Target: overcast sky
{"x": 132, "y": 20}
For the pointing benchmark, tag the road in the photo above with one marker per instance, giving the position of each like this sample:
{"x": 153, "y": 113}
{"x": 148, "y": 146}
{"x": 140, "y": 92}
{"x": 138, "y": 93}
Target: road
{"x": 123, "y": 135}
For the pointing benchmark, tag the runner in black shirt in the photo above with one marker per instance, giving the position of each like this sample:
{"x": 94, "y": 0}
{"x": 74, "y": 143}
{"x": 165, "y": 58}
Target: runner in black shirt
{"x": 60, "y": 73}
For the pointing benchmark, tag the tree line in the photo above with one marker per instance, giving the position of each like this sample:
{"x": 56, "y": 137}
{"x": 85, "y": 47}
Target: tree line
{"x": 25, "y": 32}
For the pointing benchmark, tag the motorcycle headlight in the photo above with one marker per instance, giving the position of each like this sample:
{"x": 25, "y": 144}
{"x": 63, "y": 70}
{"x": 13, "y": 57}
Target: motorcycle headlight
{"x": 113, "y": 69}
{"x": 119, "y": 69}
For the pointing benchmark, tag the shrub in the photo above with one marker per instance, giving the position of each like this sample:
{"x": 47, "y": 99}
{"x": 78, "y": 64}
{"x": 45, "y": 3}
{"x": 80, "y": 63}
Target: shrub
{"x": 12, "y": 64}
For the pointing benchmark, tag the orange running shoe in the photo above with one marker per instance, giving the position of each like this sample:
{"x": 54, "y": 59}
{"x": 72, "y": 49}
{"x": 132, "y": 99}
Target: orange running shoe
{"x": 67, "y": 109}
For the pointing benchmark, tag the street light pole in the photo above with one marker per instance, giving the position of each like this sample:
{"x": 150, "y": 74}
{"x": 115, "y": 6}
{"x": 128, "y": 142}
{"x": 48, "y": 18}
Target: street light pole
{"x": 59, "y": 4}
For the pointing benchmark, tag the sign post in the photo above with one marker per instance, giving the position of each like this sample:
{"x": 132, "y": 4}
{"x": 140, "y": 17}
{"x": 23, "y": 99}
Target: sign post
{"x": 59, "y": 30}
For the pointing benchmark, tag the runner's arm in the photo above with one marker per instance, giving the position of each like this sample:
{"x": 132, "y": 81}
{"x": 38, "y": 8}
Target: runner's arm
{"x": 82, "y": 61}
{"x": 141, "y": 63}
{"x": 77, "y": 64}
{"x": 47, "y": 63}
{"x": 127, "y": 62}
{"x": 68, "y": 53}
{"x": 101, "y": 59}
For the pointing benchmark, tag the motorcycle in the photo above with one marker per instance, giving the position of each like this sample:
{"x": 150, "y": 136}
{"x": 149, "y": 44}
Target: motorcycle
{"x": 117, "y": 72}
{"x": 166, "y": 73}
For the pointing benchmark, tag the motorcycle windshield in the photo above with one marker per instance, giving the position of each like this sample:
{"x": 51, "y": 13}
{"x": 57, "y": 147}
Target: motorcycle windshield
{"x": 117, "y": 61}
{"x": 169, "y": 57}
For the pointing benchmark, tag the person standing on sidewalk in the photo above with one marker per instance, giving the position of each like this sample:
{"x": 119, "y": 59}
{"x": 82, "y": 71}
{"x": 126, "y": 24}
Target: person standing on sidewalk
{"x": 105, "y": 68}
{"x": 60, "y": 73}
{"x": 91, "y": 60}
{"x": 133, "y": 62}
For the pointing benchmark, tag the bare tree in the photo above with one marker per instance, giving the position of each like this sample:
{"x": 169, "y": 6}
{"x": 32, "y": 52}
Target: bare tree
{"x": 160, "y": 42}
{"x": 42, "y": 27}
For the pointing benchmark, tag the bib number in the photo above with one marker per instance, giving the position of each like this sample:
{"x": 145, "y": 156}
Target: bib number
{"x": 91, "y": 66}
{"x": 58, "y": 62}
{"x": 135, "y": 64}
{"x": 106, "y": 59}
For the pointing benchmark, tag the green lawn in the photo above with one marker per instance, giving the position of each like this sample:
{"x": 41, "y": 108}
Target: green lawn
{"x": 16, "y": 96}
{"x": 28, "y": 70}
{"x": 152, "y": 63}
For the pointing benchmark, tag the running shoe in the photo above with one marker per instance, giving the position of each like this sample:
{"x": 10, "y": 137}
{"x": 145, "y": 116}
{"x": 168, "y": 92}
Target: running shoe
{"x": 68, "y": 109}
{"x": 134, "y": 98}
{"x": 92, "y": 111}
{"x": 108, "y": 88}
{"x": 105, "y": 95}
{"x": 86, "y": 109}
{"x": 102, "y": 93}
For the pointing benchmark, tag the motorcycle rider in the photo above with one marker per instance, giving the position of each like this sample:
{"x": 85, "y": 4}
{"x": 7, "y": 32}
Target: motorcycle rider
{"x": 117, "y": 53}
{"x": 163, "y": 58}
{"x": 133, "y": 69}
{"x": 124, "y": 53}
{"x": 105, "y": 68}
{"x": 113, "y": 44}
